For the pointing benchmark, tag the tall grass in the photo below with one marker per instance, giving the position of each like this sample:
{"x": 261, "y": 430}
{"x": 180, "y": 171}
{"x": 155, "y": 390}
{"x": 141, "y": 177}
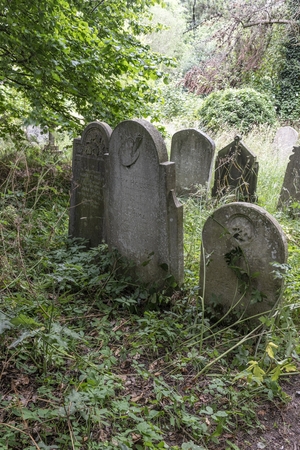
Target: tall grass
{"x": 270, "y": 177}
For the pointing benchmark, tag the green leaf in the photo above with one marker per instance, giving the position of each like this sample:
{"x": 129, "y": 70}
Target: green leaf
{"x": 26, "y": 322}
{"x": 55, "y": 76}
{"x": 221, "y": 414}
{"x": 275, "y": 373}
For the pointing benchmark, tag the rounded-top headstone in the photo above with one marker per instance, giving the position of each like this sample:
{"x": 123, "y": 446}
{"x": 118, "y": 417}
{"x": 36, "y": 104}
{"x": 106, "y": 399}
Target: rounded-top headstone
{"x": 87, "y": 212}
{"x": 193, "y": 153}
{"x": 95, "y": 139}
{"x": 284, "y": 141}
{"x": 141, "y": 212}
{"x": 240, "y": 244}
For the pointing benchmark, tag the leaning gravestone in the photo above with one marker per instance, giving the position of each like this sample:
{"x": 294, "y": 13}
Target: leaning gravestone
{"x": 144, "y": 215}
{"x": 284, "y": 141}
{"x": 87, "y": 210}
{"x": 236, "y": 171}
{"x": 193, "y": 153}
{"x": 290, "y": 191}
{"x": 240, "y": 242}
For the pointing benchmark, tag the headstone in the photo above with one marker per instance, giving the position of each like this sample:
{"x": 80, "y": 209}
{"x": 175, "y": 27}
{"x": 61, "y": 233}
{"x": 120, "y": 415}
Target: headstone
{"x": 284, "y": 141}
{"x": 290, "y": 191}
{"x": 236, "y": 171}
{"x": 51, "y": 147}
{"x": 240, "y": 241}
{"x": 144, "y": 215}
{"x": 193, "y": 153}
{"x": 87, "y": 210}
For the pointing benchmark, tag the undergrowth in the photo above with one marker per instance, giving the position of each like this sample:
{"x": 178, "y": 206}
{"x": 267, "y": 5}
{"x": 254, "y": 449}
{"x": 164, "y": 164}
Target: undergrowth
{"x": 90, "y": 360}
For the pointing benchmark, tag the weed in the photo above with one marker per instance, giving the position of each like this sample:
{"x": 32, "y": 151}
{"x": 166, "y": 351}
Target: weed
{"x": 89, "y": 360}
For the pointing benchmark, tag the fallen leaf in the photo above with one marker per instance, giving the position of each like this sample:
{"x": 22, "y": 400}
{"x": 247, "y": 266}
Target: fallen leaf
{"x": 137, "y": 398}
{"x": 135, "y": 437}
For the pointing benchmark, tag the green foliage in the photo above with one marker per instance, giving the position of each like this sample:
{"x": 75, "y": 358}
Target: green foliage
{"x": 91, "y": 361}
{"x": 74, "y": 61}
{"x": 245, "y": 44}
{"x": 168, "y": 38}
{"x": 288, "y": 91}
{"x": 241, "y": 109}
{"x": 176, "y": 102}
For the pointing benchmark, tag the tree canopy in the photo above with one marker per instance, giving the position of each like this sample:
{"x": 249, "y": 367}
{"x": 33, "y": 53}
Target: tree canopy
{"x": 65, "y": 59}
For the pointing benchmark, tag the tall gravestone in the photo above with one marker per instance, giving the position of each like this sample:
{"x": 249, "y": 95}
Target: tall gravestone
{"x": 284, "y": 141}
{"x": 240, "y": 241}
{"x": 193, "y": 153}
{"x": 144, "y": 215}
{"x": 236, "y": 171}
{"x": 87, "y": 212}
{"x": 290, "y": 191}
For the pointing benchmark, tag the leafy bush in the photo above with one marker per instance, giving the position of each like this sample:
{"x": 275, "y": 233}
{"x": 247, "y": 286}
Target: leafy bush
{"x": 238, "y": 108}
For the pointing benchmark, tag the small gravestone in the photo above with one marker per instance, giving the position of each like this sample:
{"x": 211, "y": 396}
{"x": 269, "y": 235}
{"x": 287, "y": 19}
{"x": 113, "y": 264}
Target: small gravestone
{"x": 144, "y": 215}
{"x": 236, "y": 171}
{"x": 290, "y": 191}
{"x": 193, "y": 153}
{"x": 51, "y": 147}
{"x": 284, "y": 141}
{"x": 87, "y": 210}
{"x": 240, "y": 242}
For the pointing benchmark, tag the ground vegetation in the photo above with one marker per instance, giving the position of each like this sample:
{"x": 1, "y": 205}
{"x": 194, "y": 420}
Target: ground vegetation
{"x": 89, "y": 360}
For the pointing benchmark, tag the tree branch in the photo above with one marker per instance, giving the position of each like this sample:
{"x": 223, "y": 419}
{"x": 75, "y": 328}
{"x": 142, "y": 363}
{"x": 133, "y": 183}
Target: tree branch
{"x": 269, "y": 22}
{"x": 97, "y": 6}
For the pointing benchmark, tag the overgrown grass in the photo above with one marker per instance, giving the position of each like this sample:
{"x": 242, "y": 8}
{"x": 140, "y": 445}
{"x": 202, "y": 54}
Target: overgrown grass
{"x": 91, "y": 361}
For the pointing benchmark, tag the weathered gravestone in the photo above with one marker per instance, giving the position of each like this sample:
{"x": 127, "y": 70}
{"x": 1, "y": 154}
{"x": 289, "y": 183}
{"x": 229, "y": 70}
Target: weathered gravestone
{"x": 87, "y": 210}
{"x": 236, "y": 171}
{"x": 193, "y": 153}
{"x": 240, "y": 241}
{"x": 290, "y": 191}
{"x": 145, "y": 218}
{"x": 284, "y": 141}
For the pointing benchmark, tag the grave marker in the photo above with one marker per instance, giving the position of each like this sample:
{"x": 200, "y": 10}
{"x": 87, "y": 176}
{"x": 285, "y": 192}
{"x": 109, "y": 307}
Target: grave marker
{"x": 236, "y": 171}
{"x": 145, "y": 217}
{"x": 284, "y": 141}
{"x": 193, "y": 152}
{"x": 87, "y": 210}
{"x": 290, "y": 191}
{"x": 240, "y": 241}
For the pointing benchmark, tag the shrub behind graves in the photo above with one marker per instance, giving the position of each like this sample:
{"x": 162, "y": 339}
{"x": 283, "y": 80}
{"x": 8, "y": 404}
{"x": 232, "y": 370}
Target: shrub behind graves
{"x": 238, "y": 108}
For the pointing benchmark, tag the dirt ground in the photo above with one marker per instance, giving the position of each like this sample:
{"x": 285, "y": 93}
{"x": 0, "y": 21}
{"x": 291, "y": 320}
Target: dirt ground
{"x": 280, "y": 422}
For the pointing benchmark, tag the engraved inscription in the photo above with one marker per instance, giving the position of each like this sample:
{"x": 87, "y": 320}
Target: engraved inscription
{"x": 91, "y": 188}
{"x": 87, "y": 212}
